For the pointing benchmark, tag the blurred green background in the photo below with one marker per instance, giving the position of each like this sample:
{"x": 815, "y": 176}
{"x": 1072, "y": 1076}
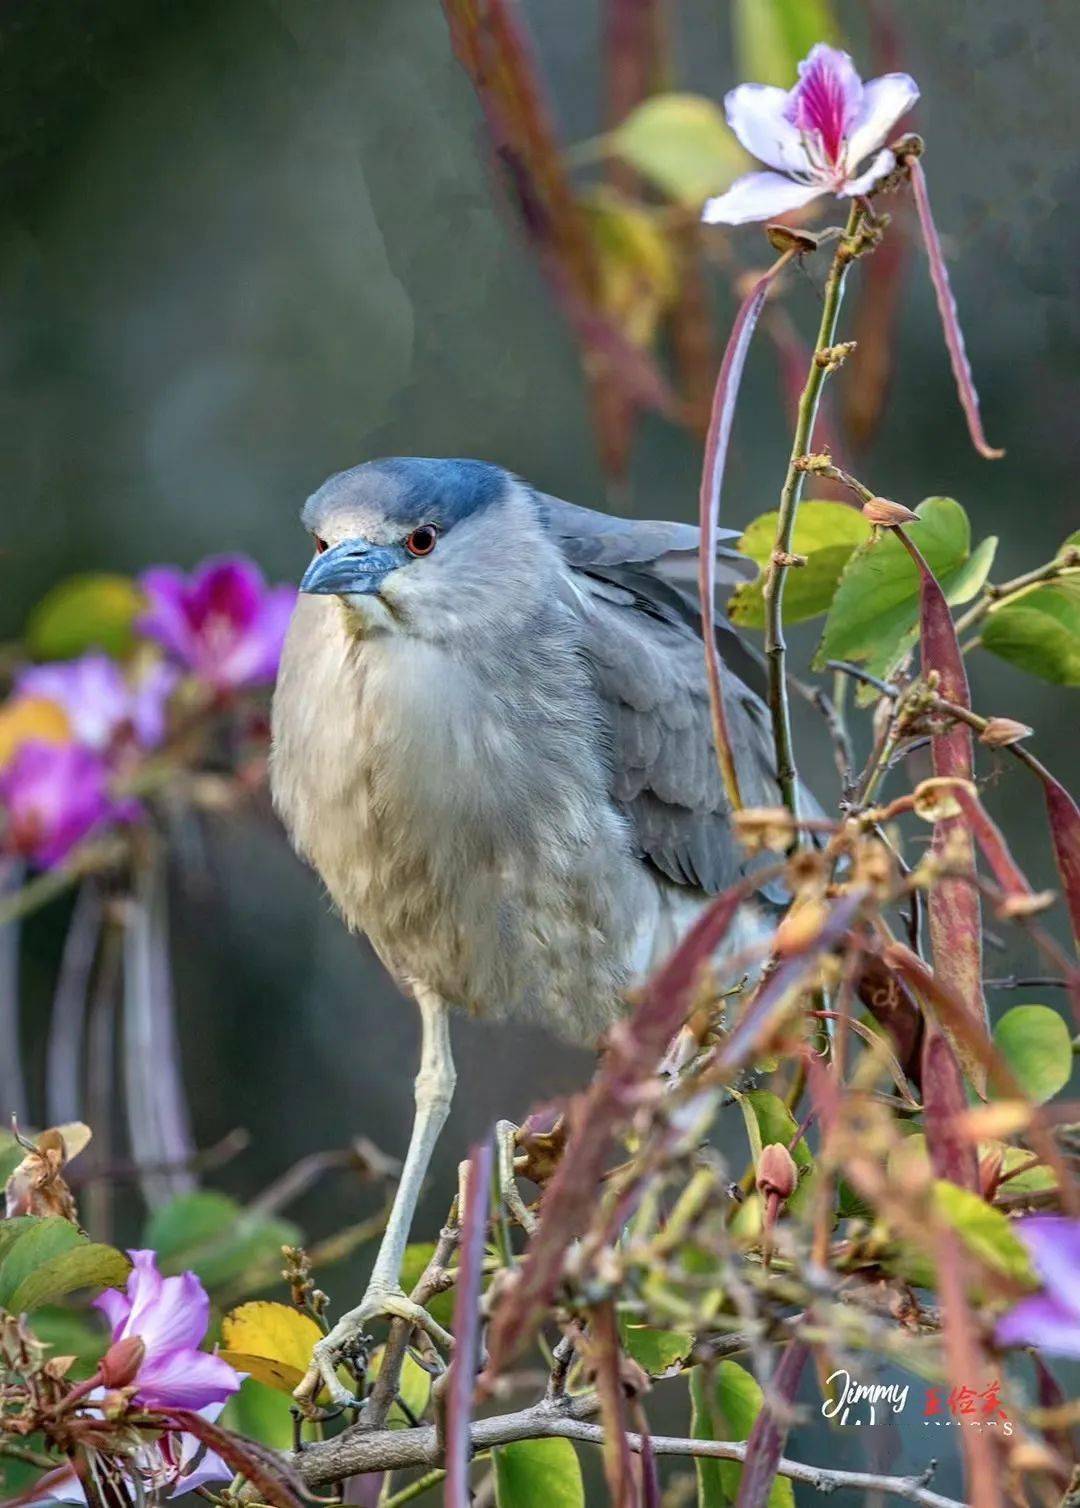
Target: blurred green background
{"x": 246, "y": 243}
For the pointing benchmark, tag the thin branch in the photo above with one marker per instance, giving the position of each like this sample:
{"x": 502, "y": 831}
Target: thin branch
{"x": 356, "y": 1452}
{"x": 775, "y": 645}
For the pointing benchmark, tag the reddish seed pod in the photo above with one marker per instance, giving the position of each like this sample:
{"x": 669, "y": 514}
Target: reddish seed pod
{"x": 121, "y": 1362}
{"x": 776, "y": 1171}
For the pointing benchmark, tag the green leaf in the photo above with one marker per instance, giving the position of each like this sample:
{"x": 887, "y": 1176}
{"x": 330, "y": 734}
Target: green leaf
{"x": 89, "y": 1265}
{"x": 656, "y": 1350}
{"x": 1039, "y": 633}
{"x": 261, "y": 1413}
{"x": 538, "y": 1474}
{"x": 417, "y": 1256}
{"x": 682, "y": 143}
{"x": 874, "y": 617}
{"x": 85, "y": 612}
{"x": 984, "y": 1230}
{"x": 1034, "y": 1041}
{"x": 724, "y": 1404}
{"x": 70, "y": 1334}
{"x": 826, "y": 533}
{"x": 36, "y": 1242}
{"x": 217, "y": 1238}
{"x": 773, "y": 36}
{"x": 11, "y": 1155}
{"x": 768, "y": 1119}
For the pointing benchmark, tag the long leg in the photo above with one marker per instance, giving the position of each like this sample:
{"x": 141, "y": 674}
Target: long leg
{"x": 434, "y": 1089}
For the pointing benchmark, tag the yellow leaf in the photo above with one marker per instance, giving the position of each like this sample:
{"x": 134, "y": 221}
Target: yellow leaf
{"x": 272, "y": 1342}
{"x": 31, "y": 718}
{"x": 275, "y": 1374}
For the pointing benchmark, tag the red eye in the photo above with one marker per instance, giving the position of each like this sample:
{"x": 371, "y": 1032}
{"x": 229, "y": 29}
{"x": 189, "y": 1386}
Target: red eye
{"x": 422, "y": 540}
{"x": 320, "y": 545}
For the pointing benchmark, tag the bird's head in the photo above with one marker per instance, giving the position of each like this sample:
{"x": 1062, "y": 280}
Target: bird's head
{"x": 435, "y": 548}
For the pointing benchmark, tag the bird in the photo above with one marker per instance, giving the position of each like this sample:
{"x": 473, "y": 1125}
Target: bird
{"x": 491, "y": 739}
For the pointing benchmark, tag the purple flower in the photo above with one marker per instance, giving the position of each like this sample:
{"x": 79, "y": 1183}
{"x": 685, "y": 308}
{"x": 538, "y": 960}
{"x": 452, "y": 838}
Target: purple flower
{"x": 170, "y": 1316}
{"x": 101, "y": 703}
{"x": 223, "y": 622}
{"x": 53, "y": 796}
{"x": 816, "y": 136}
{"x": 1049, "y": 1320}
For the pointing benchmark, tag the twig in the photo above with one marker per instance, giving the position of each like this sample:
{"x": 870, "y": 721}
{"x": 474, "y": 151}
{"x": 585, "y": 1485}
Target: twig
{"x": 775, "y": 644}
{"x": 415, "y": 1489}
{"x": 357, "y": 1451}
{"x": 1034, "y": 982}
{"x": 858, "y": 674}
{"x": 1065, "y": 564}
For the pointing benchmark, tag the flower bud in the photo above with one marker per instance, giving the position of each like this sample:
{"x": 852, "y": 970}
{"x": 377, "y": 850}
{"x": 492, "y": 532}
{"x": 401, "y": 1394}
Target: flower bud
{"x": 121, "y": 1362}
{"x": 1002, "y": 731}
{"x": 776, "y": 1171}
{"x": 887, "y": 514}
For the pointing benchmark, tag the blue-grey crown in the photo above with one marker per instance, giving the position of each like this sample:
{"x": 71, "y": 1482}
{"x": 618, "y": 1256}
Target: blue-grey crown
{"x": 413, "y": 489}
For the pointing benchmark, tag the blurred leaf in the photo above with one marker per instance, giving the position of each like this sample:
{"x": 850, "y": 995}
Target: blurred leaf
{"x": 216, "y": 1237}
{"x": 638, "y": 277}
{"x": 272, "y": 1342}
{"x": 417, "y": 1257}
{"x": 262, "y": 1413}
{"x": 985, "y": 1231}
{"x": 538, "y": 1474}
{"x": 656, "y": 1350}
{"x": 768, "y": 1120}
{"x": 773, "y": 36}
{"x": 72, "y": 1334}
{"x": 1034, "y": 1040}
{"x": 84, "y": 612}
{"x": 682, "y": 143}
{"x": 1033, "y": 1179}
{"x": 874, "y": 615}
{"x": 1039, "y": 633}
{"x": 31, "y": 717}
{"x": 724, "y": 1405}
{"x": 33, "y": 1242}
{"x": 414, "y": 1389}
{"x": 89, "y": 1265}
{"x": 826, "y": 533}
{"x": 851, "y": 1205}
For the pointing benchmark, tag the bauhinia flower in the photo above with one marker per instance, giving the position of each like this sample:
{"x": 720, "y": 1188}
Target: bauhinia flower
{"x": 825, "y": 136}
{"x": 158, "y": 1325}
{"x": 222, "y": 622}
{"x": 102, "y": 703}
{"x": 54, "y": 795}
{"x": 1049, "y": 1320}
{"x": 170, "y": 1316}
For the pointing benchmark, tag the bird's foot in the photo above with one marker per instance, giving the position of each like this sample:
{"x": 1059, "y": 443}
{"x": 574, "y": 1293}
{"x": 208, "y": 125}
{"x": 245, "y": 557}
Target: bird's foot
{"x": 506, "y": 1142}
{"x": 382, "y": 1300}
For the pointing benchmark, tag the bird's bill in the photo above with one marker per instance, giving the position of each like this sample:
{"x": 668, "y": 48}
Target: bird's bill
{"x": 353, "y": 568}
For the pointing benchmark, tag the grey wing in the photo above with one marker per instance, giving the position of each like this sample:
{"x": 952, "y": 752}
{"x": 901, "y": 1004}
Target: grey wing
{"x": 589, "y": 539}
{"x": 648, "y": 670}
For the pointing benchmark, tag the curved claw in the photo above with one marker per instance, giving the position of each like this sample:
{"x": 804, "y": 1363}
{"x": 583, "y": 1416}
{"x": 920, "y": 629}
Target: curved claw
{"x": 392, "y": 1303}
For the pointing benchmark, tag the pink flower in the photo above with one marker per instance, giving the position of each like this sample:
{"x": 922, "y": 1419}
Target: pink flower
{"x": 824, "y": 136}
{"x": 170, "y": 1316}
{"x": 53, "y": 796}
{"x": 101, "y": 703}
{"x": 222, "y": 622}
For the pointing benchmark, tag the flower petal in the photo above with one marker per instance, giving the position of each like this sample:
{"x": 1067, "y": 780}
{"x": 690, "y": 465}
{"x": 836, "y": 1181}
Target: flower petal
{"x": 177, "y": 1319}
{"x": 143, "y": 1288}
{"x": 883, "y": 163}
{"x": 884, "y": 101}
{"x": 827, "y": 100}
{"x": 115, "y": 1307}
{"x": 186, "y": 1379}
{"x": 756, "y": 113}
{"x": 1054, "y": 1244}
{"x": 166, "y": 619}
{"x": 758, "y": 196}
{"x": 1042, "y": 1322}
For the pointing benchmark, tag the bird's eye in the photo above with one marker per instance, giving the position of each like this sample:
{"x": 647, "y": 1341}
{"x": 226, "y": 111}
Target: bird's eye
{"x": 422, "y": 540}
{"x": 320, "y": 545}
